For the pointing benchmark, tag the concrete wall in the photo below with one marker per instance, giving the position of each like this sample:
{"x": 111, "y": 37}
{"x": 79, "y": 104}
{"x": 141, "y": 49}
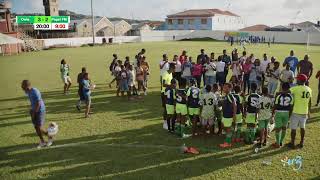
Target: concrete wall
{"x": 87, "y": 40}
{"x": 280, "y": 37}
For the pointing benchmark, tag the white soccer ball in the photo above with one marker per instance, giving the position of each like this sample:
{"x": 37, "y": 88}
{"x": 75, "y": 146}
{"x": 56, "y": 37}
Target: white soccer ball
{"x": 256, "y": 150}
{"x": 93, "y": 86}
{"x": 53, "y": 129}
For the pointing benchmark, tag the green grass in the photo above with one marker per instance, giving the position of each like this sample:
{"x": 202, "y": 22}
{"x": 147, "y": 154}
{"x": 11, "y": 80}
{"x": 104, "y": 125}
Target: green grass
{"x": 125, "y": 140}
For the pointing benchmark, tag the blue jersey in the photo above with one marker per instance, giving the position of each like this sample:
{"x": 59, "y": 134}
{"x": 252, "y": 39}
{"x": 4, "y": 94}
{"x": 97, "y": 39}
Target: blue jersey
{"x": 293, "y": 62}
{"x": 170, "y": 95}
{"x": 35, "y": 97}
{"x": 253, "y": 103}
{"x": 86, "y": 87}
{"x": 181, "y": 96}
{"x": 193, "y": 94}
{"x": 227, "y": 106}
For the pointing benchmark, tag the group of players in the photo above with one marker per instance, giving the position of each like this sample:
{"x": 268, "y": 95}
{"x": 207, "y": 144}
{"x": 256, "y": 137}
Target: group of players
{"x": 226, "y": 108}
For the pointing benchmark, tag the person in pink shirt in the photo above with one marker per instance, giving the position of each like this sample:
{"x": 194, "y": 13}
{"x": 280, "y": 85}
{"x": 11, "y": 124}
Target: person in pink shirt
{"x": 197, "y": 70}
{"x": 183, "y": 57}
{"x": 246, "y": 69}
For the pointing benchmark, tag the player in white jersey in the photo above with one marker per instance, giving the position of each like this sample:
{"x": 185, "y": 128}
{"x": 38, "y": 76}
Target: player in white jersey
{"x": 208, "y": 101}
{"x": 264, "y": 115}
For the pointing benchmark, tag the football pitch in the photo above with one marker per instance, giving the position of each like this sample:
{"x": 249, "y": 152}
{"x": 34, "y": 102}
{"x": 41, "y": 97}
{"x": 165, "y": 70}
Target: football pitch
{"x": 125, "y": 140}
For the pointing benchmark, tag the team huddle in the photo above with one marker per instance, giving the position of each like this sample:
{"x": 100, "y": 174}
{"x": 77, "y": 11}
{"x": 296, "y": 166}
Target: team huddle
{"x": 226, "y": 108}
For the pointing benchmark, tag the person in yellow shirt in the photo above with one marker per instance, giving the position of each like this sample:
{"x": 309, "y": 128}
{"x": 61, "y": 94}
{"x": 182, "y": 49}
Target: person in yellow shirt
{"x": 166, "y": 82}
{"x": 302, "y": 95}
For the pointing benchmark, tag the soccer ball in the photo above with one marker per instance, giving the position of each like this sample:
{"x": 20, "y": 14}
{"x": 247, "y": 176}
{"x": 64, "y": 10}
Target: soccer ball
{"x": 93, "y": 86}
{"x": 53, "y": 129}
{"x": 183, "y": 148}
{"x": 256, "y": 150}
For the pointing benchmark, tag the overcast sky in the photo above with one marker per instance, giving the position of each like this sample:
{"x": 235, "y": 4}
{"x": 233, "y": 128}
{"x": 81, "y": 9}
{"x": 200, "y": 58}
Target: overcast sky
{"x": 269, "y": 12}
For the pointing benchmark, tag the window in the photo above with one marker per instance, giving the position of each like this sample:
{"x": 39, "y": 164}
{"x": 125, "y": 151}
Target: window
{"x": 204, "y": 21}
{"x": 170, "y": 21}
{"x": 54, "y": 9}
{"x": 180, "y": 21}
{"x": 191, "y": 21}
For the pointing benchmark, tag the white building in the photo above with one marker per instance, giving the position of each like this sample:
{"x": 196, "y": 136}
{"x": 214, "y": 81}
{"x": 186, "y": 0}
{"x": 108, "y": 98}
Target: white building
{"x": 204, "y": 19}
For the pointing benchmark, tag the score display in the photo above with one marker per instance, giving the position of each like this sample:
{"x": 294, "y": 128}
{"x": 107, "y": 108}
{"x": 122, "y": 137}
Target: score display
{"x": 45, "y": 22}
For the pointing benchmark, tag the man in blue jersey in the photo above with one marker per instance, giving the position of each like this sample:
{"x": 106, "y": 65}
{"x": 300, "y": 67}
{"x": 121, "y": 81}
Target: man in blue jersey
{"x": 37, "y": 111}
{"x": 292, "y": 61}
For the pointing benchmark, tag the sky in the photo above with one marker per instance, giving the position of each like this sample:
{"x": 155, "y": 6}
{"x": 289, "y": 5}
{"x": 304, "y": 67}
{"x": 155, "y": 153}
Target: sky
{"x": 269, "y": 12}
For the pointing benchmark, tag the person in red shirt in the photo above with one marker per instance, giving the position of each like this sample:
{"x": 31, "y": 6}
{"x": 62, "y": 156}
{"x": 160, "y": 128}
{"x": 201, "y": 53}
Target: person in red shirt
{"x": 183, "y": 57}
{"x": 246, "y": 68}
{"x": 197, "y": 70}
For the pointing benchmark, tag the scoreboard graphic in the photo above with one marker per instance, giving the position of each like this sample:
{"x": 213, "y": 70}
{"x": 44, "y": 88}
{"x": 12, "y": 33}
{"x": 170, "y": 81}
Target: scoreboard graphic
{"x": 45, "y": 22}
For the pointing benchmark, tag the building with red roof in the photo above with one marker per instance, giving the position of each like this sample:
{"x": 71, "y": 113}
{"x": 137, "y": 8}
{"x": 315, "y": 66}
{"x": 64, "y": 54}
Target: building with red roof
{"x": 204, "y": 19}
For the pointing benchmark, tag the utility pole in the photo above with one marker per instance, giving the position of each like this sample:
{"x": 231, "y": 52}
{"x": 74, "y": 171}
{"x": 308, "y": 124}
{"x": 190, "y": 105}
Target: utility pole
{"x": 92, "y": 21}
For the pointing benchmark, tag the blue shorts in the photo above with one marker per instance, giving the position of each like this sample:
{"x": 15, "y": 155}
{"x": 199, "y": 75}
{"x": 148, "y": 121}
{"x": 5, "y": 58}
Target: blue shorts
{"x": 39, "y": 119}
{"x": 87, "y": 98}
{"x": 124, "y": 87}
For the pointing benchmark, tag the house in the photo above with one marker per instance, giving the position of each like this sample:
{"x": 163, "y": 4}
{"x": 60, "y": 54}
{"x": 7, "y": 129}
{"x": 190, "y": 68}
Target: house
{"x": 136, "y": 28}
{"x": 5, "y": 17}
{"x": 258, "y": 27}
{"x": 102, "y": 27}
{"x": 303, "y": 26}
{"x": 204, "y": 19}
{"x": 121, "y": 27}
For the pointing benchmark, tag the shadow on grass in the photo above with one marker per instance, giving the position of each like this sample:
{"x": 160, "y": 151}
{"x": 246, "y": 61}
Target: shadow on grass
{"x": 103, "y": 101}
{"x": 115, "y": 156}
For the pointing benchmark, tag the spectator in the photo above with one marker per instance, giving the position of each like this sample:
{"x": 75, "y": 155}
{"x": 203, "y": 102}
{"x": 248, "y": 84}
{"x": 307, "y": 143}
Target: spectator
{"x": 178, "y": 69}
{"x": 114, "y": 61}
{"x": 236, "y": 73}
{"x": 292, "y": 61}
{"x": 252, "y": 58}
{"x": 305, "y": 67}
{"x": 255, "y": 74}
{"x": 146, "y": 71}
{"x": 286, "y": 75}
{"x": 164, "y": 66}
{"x": 274, "y": 78}
{"x": 264, "y": 66}
{"x": 210, "y": 72}
{"x": 212, "y": 57}
{"x": 220, "y": 75}
{"x": 246, "y": 68}
{"x": 202, "y": 57}
{"x": 127, "y": 62}
{"x": 234, "y": 55}
{"x": 227, "y": 60}
{"x": 183, "y": 57}
{"x": 186, "y": 70}
{"x": 197, "y": 72}
{"x": 243, "y": 58}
